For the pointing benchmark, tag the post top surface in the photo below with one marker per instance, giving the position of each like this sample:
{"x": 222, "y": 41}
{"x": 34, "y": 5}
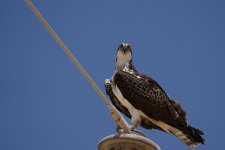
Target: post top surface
{"x": 127, "y": 142}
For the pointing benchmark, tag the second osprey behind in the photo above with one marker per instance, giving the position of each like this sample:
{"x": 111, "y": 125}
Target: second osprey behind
{"x": 142, "y": 99}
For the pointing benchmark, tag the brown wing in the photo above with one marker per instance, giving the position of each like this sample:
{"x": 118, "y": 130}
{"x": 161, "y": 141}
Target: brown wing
{"x": 145, "y": 94}
{"x": 182, "y": 114}
{"x": 144, "y": 123}
{"x": 180, "y": 111}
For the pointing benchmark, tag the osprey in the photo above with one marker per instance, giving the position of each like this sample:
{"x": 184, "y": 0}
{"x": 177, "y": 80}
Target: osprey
{"x": 142, "y": 99}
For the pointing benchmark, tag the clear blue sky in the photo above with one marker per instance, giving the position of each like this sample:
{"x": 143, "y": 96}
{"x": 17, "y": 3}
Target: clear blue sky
{"x": 45, "y": 102}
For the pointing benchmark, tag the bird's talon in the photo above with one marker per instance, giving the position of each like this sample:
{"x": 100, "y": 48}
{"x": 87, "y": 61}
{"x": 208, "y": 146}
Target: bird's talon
{"x": 119, "y": 132}
{"x": 131, "y": 128}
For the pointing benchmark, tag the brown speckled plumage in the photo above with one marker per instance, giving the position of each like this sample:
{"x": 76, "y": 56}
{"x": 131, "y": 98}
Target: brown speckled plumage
{"x": 146, "y": 95}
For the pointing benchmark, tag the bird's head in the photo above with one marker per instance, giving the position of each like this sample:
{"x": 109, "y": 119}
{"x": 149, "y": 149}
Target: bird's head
{"x": 124, "y": 56}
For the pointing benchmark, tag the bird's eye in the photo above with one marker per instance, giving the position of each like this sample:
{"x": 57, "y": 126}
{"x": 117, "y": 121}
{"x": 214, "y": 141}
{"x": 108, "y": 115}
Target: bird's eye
{"x": 129, "y": 48}
{"x": 120, "y": 47}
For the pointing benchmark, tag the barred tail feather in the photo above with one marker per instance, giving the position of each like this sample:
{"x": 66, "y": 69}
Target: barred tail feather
{"x": 189, "y": 135}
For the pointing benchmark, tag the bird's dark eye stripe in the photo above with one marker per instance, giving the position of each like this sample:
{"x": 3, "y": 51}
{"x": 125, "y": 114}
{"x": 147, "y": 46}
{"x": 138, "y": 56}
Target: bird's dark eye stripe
{"x": 120, "y": 47}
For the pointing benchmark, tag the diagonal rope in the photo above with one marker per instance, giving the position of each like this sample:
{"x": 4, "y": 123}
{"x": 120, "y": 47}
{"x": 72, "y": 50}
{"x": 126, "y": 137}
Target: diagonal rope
{"x": 113, "y": 111}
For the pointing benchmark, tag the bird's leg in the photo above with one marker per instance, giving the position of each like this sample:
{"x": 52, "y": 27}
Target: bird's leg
{"x": 135, "y": 119}
{"x": 135, "y": 124}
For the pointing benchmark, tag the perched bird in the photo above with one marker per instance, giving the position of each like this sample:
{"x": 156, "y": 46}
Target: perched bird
{"x": 142, "y": 99}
